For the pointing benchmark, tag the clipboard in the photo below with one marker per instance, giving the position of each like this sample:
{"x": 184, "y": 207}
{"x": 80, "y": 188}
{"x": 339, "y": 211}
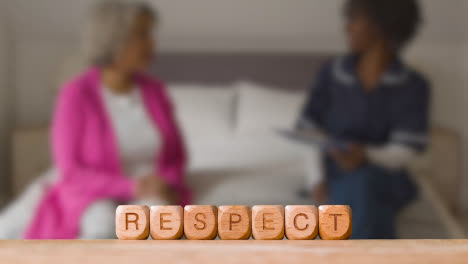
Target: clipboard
{"x": 311, "y": 138}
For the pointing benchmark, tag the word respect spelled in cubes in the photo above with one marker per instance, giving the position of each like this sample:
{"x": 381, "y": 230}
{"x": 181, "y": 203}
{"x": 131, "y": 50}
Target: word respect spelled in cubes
{"x": 206, "y": 222}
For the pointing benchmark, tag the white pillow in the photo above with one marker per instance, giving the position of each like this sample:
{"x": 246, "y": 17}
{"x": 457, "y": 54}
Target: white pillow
{"x": 262, "y": 109}
{"x": 204, "y": 112}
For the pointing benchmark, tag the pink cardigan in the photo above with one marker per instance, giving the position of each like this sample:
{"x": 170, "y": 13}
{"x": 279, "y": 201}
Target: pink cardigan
{"x": 86, "y": 154}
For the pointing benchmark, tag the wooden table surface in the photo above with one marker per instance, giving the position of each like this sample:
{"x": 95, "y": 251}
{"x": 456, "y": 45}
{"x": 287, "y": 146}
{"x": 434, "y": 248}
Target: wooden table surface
{"x": 224, "y": 252}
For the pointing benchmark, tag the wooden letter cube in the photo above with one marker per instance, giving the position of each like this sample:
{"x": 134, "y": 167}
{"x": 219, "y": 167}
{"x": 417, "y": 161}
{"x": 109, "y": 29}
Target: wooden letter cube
{"x": 200, "y": 222}
{"x": 268, "y": 222}
{"x": 301, "y": 222}
{"x": 234, "y": 222}
{"x": 132, "y": 222}
{"x": 167, "y": 222}
{"x": 335, "y": 222}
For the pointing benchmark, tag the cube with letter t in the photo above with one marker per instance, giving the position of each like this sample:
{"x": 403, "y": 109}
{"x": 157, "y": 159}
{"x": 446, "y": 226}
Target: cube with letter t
{"x": 335, "y": 222}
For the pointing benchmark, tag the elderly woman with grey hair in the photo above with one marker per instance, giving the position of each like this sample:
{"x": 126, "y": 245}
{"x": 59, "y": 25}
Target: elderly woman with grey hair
{"x": 114, "y": 138}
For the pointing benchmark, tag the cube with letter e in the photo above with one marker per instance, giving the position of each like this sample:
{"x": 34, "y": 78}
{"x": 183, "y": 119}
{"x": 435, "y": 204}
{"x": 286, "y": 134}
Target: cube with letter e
{"x": 268, "y": 222}
{"x": 132, "y": 222}
{"x": 167, "y": 222}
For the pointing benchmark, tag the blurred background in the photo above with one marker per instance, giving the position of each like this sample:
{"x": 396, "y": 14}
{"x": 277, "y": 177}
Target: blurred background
{"x": 248, "y": 44}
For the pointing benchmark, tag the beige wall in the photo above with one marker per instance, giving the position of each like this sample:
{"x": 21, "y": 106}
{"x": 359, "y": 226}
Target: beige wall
{"x": 45, "y": 31}
{"x": 48, "y": 34}
{"x": 3, "y": 105}
{"x": 464, "y": 87}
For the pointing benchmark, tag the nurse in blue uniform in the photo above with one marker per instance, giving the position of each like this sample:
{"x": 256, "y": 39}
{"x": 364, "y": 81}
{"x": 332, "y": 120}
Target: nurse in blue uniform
{"x": 376, "y": 104}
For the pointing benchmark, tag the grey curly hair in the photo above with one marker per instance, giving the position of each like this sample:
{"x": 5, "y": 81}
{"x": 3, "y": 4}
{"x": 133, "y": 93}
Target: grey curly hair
{"x": 108, "y": 27}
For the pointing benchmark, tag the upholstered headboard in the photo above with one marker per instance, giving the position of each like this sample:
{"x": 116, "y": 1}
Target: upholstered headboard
{"x": 294, "y": 71}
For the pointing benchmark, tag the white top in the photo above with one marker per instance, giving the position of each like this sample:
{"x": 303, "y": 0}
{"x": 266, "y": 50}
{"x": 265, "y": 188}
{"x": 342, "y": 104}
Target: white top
{"x": 137, "y": 137}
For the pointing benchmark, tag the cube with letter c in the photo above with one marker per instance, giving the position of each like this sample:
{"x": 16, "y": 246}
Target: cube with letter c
{"x": 132, "y": 222}
{"x": 167, "y": 222}
{"x": 234, "y": 222}
{"x": 301, "y": 222}
{"x": 268, "y": 222}
{"x": 200, "y": 222}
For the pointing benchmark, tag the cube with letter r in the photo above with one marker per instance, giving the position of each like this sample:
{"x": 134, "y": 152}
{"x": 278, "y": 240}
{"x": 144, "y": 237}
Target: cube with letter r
{"x": 132, "y": 222}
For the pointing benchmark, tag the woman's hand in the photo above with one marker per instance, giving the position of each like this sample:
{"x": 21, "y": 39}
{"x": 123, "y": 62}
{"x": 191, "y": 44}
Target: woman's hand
{"x": 350, "y": 159}
{"x": 153, "y": 187}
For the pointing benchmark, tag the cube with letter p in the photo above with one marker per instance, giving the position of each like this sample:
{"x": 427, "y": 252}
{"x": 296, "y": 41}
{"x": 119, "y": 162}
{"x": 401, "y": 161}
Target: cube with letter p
{"x": 234, "y": 222}
{"x": 132, "y": 222}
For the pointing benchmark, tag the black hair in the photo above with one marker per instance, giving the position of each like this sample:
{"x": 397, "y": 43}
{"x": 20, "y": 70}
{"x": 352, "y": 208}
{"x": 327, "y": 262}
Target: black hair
{"x": 397, "y": 20}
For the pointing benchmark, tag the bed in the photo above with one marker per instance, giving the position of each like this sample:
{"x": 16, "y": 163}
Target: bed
{"x": 228, "y": 106}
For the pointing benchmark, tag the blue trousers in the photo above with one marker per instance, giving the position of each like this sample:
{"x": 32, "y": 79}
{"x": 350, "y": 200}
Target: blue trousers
{"x": 375, "y": 195}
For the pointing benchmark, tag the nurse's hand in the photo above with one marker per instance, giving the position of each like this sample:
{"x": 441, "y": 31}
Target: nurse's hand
{"x": 320, "y": 193}
{"x": 350, "y": 159}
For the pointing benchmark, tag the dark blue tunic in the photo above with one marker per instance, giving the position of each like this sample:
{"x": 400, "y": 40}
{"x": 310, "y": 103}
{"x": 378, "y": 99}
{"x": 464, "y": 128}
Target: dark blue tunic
{"x": 397, "y": 111}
